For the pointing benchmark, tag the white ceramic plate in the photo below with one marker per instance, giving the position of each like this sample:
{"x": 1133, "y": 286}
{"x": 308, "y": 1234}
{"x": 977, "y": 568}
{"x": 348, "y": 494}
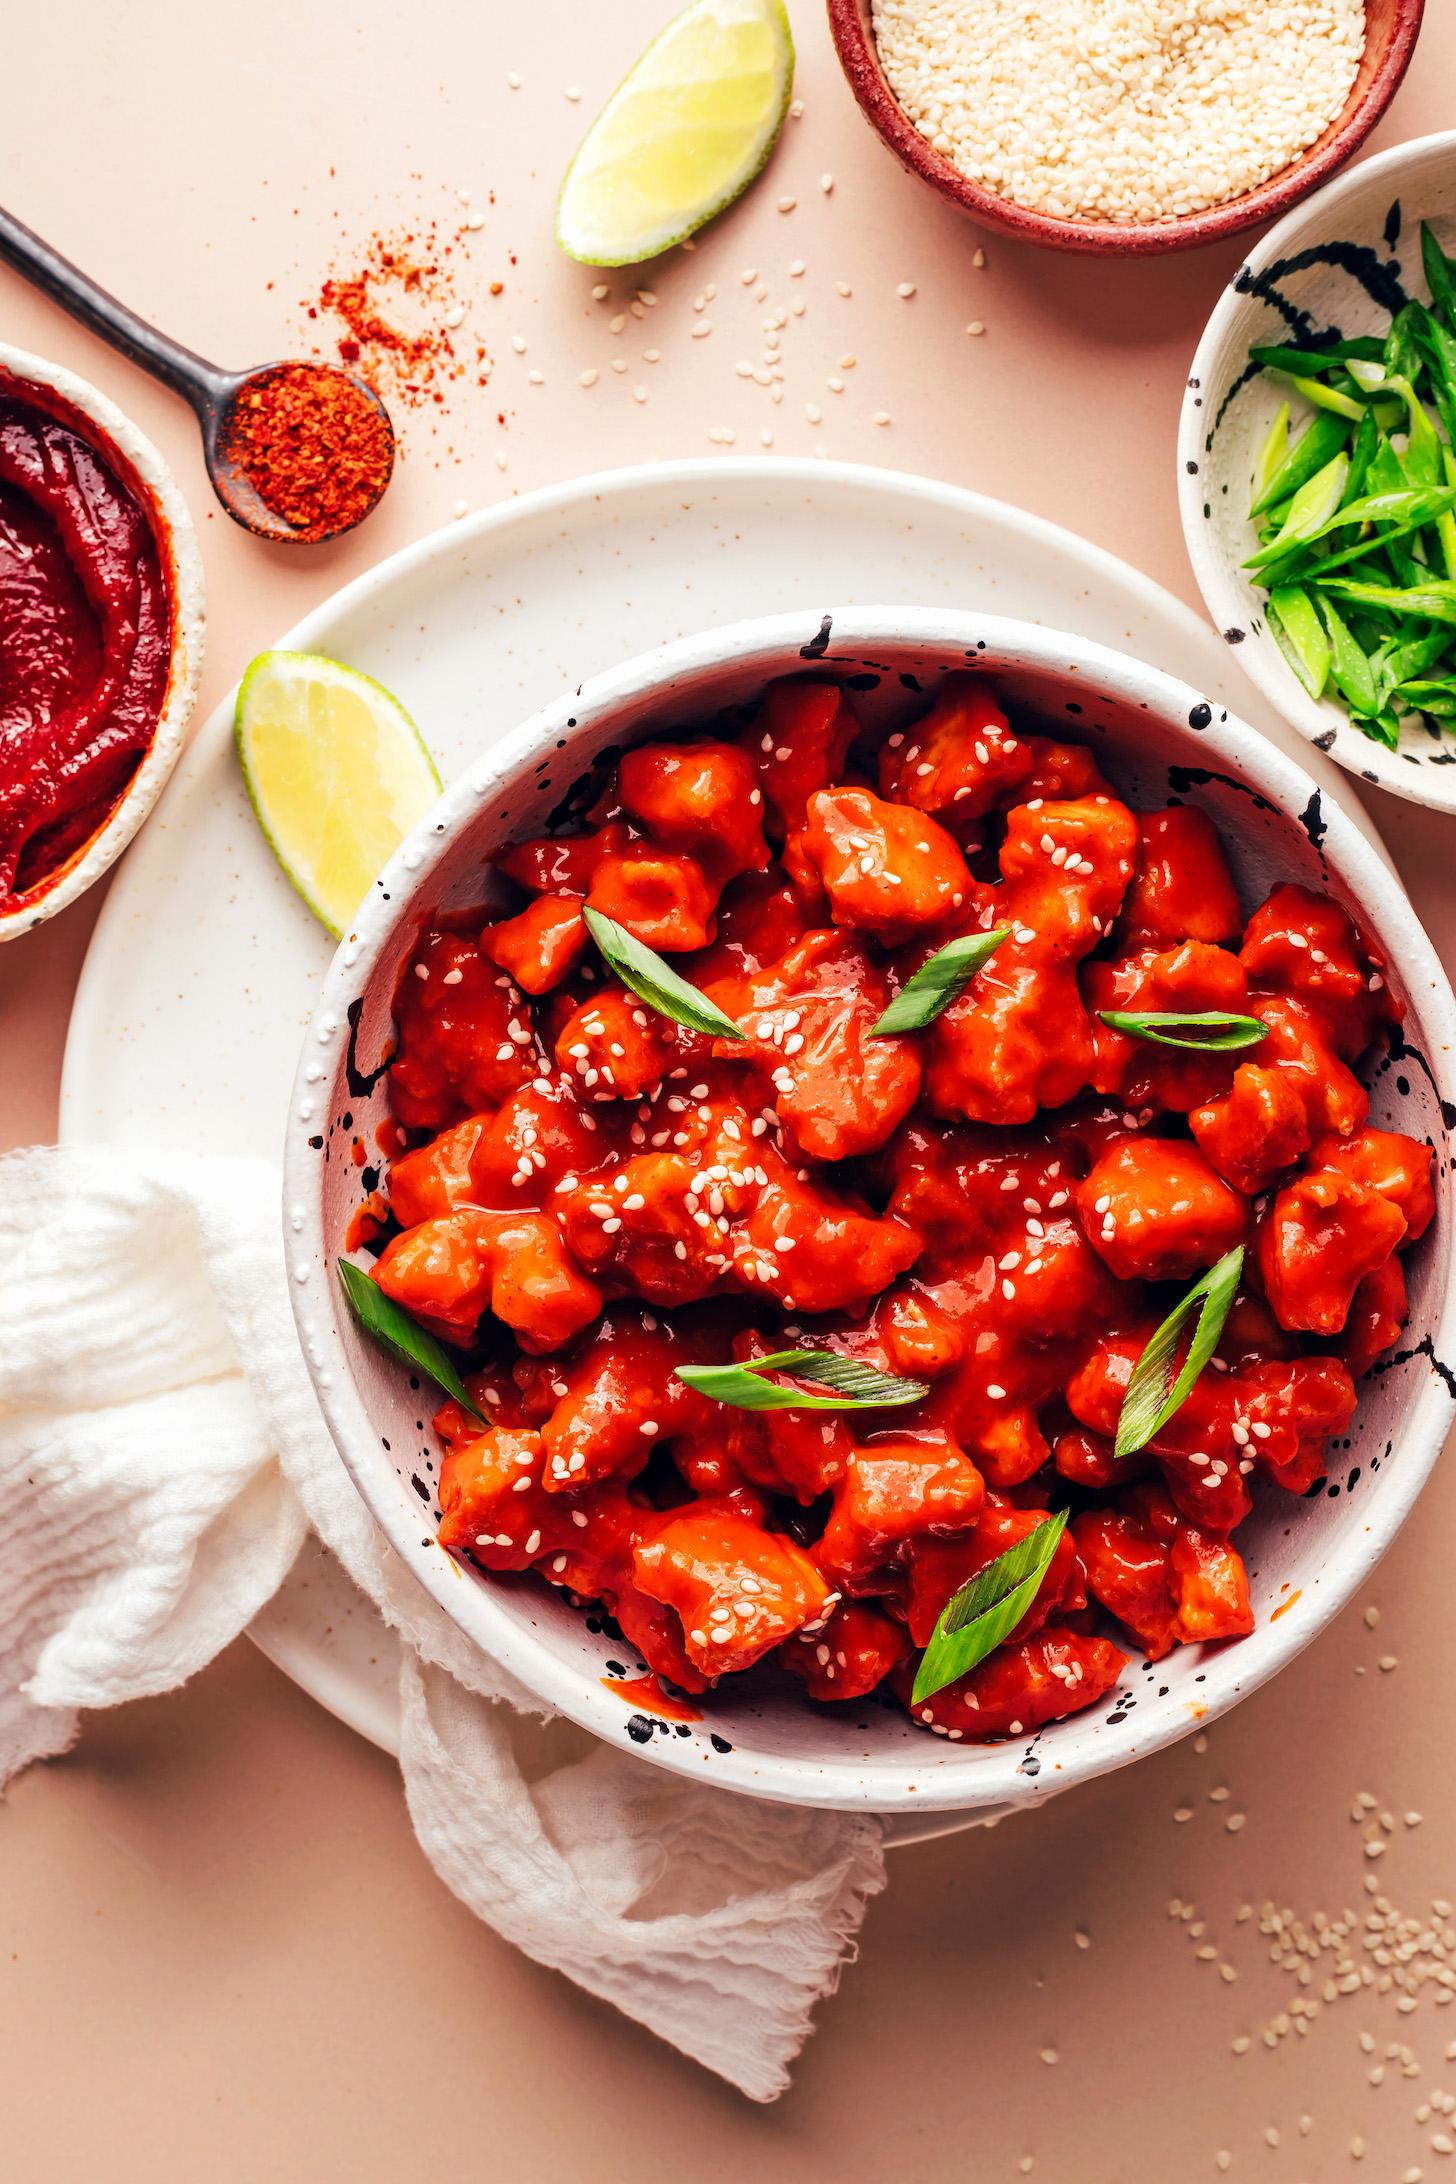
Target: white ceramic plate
{"x": 187, "y": 1031}
{"x": 1337, "y": 265}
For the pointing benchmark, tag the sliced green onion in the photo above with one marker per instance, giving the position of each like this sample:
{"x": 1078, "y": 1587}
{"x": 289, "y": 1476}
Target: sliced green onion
{"x": 987, "y": 1609}
{"x": 1325, "y": 358}
{"x": 643, "y": 971}
{"x": 1421, "y": 462}
{"x": 1440, "y": 274}
{"x": 1408, "y": 506}
{"x": 1417, "y": 654}
{"x": 1316, "y": 501}
{"x": 397, "y": 1331}
{"x": 1328, "y": 398}
{"x": 856, "y": 1386}
{"x": 1361, "y": 584}
{"x": 1440, "y": 347}
{"x": 1446, "y": 520}
{"x": 1353, "y": 675}
{"x": 1435, "y": 599}
{"x": 1311, "y": 451}
{"x": 1301, "y": 635}
{"x": 1206, "y": 1031}
{"x": 1400, "y": 343}
{"x": 1157, "y": 1389}
{"x": 1362, "y": 453}
{"x": 943, "y": 978}
{"x": 1272, "y": 453}
{"x": 1436, "y": 698}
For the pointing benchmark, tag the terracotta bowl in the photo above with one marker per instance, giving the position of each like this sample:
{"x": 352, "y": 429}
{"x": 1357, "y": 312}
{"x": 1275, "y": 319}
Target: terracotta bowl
{"x": 1157, "y": 737}
{"x": 1391, "y": 30}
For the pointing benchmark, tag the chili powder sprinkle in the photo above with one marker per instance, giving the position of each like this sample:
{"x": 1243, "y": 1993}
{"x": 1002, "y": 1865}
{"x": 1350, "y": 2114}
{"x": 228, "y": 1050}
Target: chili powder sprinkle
{"x": 315, "y": 447}
{"x": 398, "y": 316}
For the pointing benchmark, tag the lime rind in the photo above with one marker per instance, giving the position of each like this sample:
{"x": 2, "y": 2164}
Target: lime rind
{"x": 682, "y": 108}
{"x": 360, "y": 810}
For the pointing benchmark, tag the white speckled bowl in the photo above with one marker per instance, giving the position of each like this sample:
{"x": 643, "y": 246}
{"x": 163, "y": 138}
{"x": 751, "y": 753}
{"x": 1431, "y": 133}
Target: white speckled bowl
{"x": 1156, "y": 736}
{"x": 1286, "y": 288}
{"x": 177, "y": 543}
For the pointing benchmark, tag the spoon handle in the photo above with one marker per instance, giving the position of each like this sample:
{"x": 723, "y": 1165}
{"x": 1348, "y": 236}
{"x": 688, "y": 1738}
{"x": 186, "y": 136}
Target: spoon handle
{"x": 190, "y": 375}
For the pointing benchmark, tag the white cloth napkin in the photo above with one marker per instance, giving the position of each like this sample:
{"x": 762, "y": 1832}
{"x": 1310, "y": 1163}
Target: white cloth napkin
{"x": 161, "y": 1459}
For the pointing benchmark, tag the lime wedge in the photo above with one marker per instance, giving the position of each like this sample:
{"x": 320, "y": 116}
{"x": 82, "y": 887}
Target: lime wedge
{"x": 682, "y": 136}
{"x": 337, "y": 774}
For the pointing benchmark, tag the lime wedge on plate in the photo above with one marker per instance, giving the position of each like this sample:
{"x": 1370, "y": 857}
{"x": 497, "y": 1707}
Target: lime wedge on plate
{"x": 683, "y": 136}
{"x": 337, "y": 774}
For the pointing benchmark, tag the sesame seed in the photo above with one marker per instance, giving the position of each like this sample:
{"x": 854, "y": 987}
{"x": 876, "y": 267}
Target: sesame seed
{"x": 1149, "y": 117}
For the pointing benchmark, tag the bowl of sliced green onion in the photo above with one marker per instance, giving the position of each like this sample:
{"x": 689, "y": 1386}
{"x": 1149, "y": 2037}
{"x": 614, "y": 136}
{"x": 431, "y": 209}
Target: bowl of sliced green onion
{"x": 1317, "y": 469}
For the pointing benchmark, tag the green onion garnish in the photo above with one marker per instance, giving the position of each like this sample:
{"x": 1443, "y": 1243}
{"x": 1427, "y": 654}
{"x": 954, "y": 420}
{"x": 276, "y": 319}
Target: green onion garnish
{"x": 1153, "y": 1393}
{"x": 939, "y": 981}
{"x": 1205, "y": 1031}
{"x": 1355, "y": 518}
{"x": 643, "y": 971}
{"x": 857, "y": 1386}
{"x": 987, "y": 1609}
{"x": 394, "y": 1330}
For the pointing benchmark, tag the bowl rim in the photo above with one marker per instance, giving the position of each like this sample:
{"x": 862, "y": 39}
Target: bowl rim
{"x": 854, "y": 43}
{"x": 770, "y": 642}
{"x": 1228, "y": 604}
{"x": 177, "y": 542}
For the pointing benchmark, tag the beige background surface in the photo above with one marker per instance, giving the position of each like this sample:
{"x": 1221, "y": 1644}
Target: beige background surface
{"x": 221, "y": 1954}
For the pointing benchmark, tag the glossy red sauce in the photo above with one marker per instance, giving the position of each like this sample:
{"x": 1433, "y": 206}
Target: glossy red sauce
{"x": 1003, "y": 1205}
{"x": 85, "y": 634}
{"x": 646, "y": 1692}
{"x": 369, "y": 1220}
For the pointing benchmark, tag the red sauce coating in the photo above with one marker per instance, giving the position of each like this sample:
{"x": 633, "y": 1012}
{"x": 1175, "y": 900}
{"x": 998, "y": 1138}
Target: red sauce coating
{"x": 1002, "y": 1205}
{"x": 85, "y": 634}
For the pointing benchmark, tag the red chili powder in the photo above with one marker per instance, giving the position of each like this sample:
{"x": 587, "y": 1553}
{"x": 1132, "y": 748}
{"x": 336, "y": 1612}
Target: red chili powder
{"x": 392, "y": 305}
{"x": 315, "y": 447}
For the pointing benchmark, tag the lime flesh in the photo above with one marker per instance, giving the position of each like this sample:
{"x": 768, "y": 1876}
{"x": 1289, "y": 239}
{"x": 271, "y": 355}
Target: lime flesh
{"x": 682, "y": 136}
{"x": 337, "y": 775}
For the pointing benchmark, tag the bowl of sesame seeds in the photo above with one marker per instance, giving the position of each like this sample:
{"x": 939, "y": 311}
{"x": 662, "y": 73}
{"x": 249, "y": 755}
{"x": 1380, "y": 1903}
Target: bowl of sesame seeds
{"x": 1159, "y": 741}
{"x": 1124, "y": 127}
